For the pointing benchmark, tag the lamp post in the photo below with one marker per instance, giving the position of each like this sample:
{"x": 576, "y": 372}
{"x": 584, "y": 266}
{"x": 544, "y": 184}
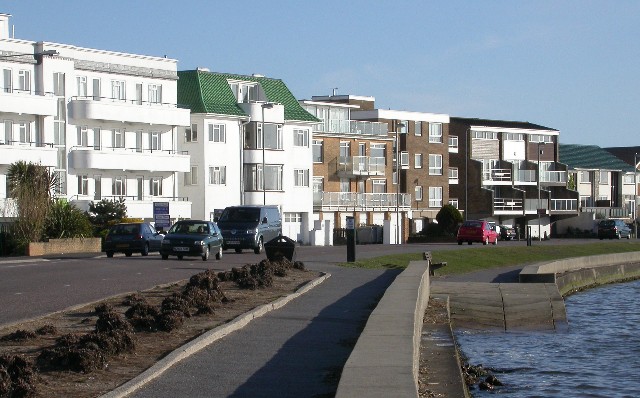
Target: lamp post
{"x": 539, "y": 178}
{"x": 266, "y": 105}
{"x": 398, "y": 226}
{"x": 466, "y": 173}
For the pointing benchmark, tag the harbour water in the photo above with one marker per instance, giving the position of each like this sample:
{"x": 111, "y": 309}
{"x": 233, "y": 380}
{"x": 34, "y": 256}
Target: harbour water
{"x": 599, "y": 355}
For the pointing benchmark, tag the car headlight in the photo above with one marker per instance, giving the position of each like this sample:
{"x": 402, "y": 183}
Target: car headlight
{"x": 252, "y": 231}
{"x": 199, "y": 243}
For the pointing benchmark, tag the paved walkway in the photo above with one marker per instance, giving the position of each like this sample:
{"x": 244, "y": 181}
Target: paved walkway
{"x": 295, "y": 351}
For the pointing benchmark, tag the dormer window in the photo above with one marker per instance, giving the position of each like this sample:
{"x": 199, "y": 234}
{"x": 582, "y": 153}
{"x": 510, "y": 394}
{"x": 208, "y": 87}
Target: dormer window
{"x": 246, "y": 91}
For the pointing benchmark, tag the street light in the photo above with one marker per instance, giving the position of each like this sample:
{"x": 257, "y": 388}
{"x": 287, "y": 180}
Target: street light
{"x": 539, "y": 177}
{"x": 398, "y": 226}
{"x": 266, "y": 105}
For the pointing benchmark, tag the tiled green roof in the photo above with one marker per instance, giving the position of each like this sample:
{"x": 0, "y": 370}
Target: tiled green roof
{"x": 209, "y": 92}
{"x": 590, "y": 157}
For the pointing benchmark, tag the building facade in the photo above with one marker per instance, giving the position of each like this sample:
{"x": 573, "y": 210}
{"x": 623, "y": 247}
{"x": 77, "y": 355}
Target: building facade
{"x": 510, "y": 173}
{"x": 106, "y": 123}
{"x": 250, "y": 144}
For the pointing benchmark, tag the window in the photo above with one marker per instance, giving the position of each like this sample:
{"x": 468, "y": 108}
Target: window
{"x": 83, "y": 185}
{"x": 218, "y": 175}
{"x": 191, "y": 133}
{"x": 140, "y": 186}
{"x": 301, "y": 177}
{"x": 453, "y": 143}
{"x": 155, "y": 141}
{"x": 484, "y": 135}
{"x": 253, "y": 177}
{"x": 301, "y": 138}
{"x": 24, "y": 129}
{"x": 585, "y": 176}
{"x": 97, "y": 140}
{"x": 417, "y": 161}
{"x": 628, "y": 179}
{"x": 604, "y": 177}
{"x": 117, "y": 186}
{"x": 345, "y": 152}
{"x": 435, "y": 132}
{"x": 61, "y": 182}
{"x": 378, "y": 186}
{"x": 155, "y": 186}
{"x": 454, "y": 202}
{"x": 345, "y": 186}
{"x": 435, "y": 196}
{"x": 418, "y": 193}
{"x": 244, "y": 91}
{"x": 377, "y": 150}
{"x": 24, "y": 80}
{"x": 513, "y": 136}
{"x": 191, "y": 177}
{"x": 139, "y": 141}
{"x": 58, "y": 84}
{"x": 547, "y": 139}
{"x": 404, "y": 159}
{"x": 318, "y": 154}
{"x": 155, "y": 93}
{"x": 403, "y": 127}
{"x": 8, "y": 132}
{"x": 7, "y": 80}
{"x": 59, "y": 123}
{"x": 97, "y": 183}
{"x": 96, "y": 89}
{"x": 81, "y": 82}
{"x": 418, "y": 128}
{"x": 118, "y": 90}
{"x": 435, "y": 165}
{"x": 138, "y": 97}
{"x": 217, "y": 133}
{"x": 453, "y": 173}
{"x": 272, "y": 136}
{"x": 83, "y": 136}
{"x": 292, "y": 217}
{"x": 118, "y": 138}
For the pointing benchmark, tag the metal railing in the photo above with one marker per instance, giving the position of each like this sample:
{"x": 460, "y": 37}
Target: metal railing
{"x": 126, "y": 149}
{"x": 353, "y": 127}
{"x": 361, "y": 200}
{"x": 361, "y": 165}
{"x": 559, "y": 177}
{"x": 609, "y": 212}
{"x": 124, "y": 101}
{"x": 497, "y": 175}
{"x": 507, "y": 204}
{"x": 138, "y": 198}
{"x": 27, "y": 143}
{"x": 525, "y": 176}
{"x": 564, "y": 205}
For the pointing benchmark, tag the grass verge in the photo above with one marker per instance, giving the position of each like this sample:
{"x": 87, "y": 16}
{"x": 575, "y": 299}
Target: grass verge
{"x": 485, "y": 257}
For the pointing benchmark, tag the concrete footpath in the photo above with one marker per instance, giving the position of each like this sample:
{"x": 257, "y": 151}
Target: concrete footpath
{"x": 295, "y": 351}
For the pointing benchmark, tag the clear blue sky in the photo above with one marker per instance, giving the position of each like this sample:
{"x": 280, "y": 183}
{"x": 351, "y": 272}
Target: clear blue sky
{"x": 569, "y": 65}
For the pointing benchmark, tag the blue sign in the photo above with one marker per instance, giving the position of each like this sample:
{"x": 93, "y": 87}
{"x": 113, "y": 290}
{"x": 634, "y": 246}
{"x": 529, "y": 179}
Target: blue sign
{"x": 161, "y": 214}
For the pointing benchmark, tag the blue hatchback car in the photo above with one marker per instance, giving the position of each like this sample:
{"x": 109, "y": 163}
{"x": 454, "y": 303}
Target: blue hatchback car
{"x": 129, "y": 238}
{"x": 192, "y": 238}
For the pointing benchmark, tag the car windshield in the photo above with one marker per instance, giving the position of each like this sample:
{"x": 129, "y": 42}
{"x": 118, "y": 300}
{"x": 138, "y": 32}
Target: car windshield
{"x": 189, "y": 228}
{"x": 472, "y": 224}
{"x": 607, "y": 223}
{"x": 125, "y": 229}
{"x": 240, "y": 214}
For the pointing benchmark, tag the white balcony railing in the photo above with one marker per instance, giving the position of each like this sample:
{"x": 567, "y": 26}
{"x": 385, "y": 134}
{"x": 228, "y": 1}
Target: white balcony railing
{"x": 354, "y": 127}
{"x": 361, "y": 166}
{"x": 496, "y": 175}
{"x": 44, "y": 154}
{"x": 90, "y": 108}
{"x": 525, "y": 176}
{"x": 128, "y": 159}
{"x": 553, "y": 177}
{"x": 507, "y": 205}
{"x": 569, "y": 205}
{"x": 353, "y": 200}
{"x": 28, "y": 103}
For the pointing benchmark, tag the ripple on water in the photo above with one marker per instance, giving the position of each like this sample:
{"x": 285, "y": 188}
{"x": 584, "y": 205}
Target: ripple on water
{"x": 598, "y": 356}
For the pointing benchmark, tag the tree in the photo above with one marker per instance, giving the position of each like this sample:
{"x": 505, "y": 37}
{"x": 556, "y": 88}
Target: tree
{"x": 31, "y": 187}
{"x": 448, "y": 218}
{"x": 67, "y": 221}
{"x": 106, "y": 212}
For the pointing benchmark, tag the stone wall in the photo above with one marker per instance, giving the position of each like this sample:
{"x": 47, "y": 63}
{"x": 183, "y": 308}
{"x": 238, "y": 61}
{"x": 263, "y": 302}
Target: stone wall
{"x": 63, "y": 246}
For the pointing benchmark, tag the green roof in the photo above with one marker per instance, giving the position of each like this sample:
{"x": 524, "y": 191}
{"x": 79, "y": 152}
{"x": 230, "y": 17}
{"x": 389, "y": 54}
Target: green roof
{"x": 590, "y": 157}
{"x": 209, "y": 92}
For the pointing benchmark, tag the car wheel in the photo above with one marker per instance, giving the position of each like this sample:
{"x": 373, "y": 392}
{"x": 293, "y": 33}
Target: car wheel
{"x": 109, "y": 254}
{"x": 629, "y": 236}
{"x": 459, "y": 242}
{"x": 495, "y": 242}
{"x": 205, "y": 255}
{"x": 219, "y": 253}
{"x": 485, "y": 241}
{"x": 469, "y": 243}
{"x": 179, "y": 257}
{"x": 258, "y": 249}
{"x": 145, "y": 250}
{"x": 618, "y": 236}
{"x": 165, "y": 256}
{"x": 128, "y": 254}
{"x": 238, "y": 250}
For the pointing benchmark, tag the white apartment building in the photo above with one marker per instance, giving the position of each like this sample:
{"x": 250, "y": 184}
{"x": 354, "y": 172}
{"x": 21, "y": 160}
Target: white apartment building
{"x": 105, "y": 122}
{"x": 250, "y": 144}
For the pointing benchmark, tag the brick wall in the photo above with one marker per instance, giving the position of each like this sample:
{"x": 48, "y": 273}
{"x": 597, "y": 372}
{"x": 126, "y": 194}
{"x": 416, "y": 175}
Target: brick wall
{"x": 62, "y": 246}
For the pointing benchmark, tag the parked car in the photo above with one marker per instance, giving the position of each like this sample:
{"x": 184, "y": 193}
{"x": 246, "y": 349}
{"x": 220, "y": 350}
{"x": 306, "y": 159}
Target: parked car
{"x": 127, "y": 238}
{"x": 477, "y": 231}
{"x": 249, "y": 227}
{"x": 613, "y": 229}
{"x": 506, "y": 232}
{"x": 192, "y": 238}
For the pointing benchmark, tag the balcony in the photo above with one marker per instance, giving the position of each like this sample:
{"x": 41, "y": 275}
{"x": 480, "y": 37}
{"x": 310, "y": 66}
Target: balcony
{"x": 349, "y": 201}
{"x": 32, "y": 152}
{"x": 553, "y": 177}
{"x": 27, "y": 102}
{"x": 525, "y": 177}
{"x": 128, "y": 159}
{"x": 496, "y": 177}
{"x": 127, "y": 111}
{"x": 142, "y": 207}
{"x": 353, "y": 127}
{"x": 506, "y": 206}
{"x": 357, "y": 166}
{"x": 609, "y": 212}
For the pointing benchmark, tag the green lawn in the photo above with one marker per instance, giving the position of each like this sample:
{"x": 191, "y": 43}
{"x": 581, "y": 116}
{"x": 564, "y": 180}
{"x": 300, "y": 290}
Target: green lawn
{"x": 475, "y": 259}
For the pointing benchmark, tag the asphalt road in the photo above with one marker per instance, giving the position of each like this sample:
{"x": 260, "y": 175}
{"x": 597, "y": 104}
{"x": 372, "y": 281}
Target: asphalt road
{"x": 32, "y": 287}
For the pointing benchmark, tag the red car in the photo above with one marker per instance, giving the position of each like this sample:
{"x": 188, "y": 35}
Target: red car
{"x": 477, "y": 231}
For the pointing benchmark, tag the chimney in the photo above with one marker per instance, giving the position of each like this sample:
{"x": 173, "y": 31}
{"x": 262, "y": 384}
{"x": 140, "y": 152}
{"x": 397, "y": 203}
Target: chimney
{"x": 4, "y": 26}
